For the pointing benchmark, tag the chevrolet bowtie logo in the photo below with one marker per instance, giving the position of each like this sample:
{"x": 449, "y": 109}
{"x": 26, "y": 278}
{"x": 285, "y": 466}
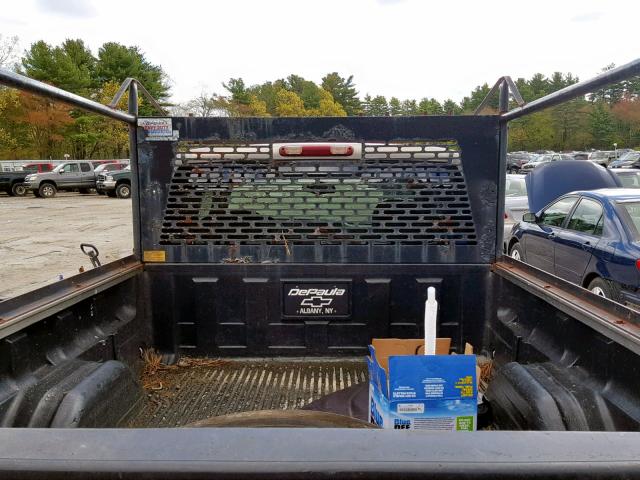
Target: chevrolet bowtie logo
{"x": 316, "y": 302}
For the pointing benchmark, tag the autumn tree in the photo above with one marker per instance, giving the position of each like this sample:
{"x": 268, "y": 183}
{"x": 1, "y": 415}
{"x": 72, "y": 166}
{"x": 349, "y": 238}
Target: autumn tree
{"x": 289, "y": 104}
{"x": 327, "y": 106}
{"x": 627, "y": 113}
{"x": 43, "y": 121}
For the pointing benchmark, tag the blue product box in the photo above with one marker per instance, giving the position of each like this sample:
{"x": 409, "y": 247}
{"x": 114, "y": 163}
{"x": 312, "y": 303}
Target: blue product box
{"x": 410, "y": 391}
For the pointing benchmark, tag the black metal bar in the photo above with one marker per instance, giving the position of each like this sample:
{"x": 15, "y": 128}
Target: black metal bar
{"x": 15, "y": 80}
{"x": 503, "y": 106}
{"x": 123, "y": 88}
{"x": 572, "y": 91}
{"x": 487, "y": 98}
{"x": 513, "y": 89}
{"x": 133, "y": 161}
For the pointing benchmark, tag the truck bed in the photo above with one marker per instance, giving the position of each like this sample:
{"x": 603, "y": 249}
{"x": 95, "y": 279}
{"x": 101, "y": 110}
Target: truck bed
{"x": 199, "y": 388}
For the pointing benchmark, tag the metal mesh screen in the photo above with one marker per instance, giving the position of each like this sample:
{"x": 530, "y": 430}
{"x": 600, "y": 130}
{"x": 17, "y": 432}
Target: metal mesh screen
{"x": 396, "y": 194}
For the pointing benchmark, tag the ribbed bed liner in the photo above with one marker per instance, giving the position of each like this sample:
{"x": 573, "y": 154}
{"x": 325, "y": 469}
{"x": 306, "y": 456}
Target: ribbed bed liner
{"x": 179, "y": 396}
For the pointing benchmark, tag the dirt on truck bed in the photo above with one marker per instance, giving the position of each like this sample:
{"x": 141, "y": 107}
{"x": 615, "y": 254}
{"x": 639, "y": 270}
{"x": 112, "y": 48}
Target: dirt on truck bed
{"x": 197, "y": 389}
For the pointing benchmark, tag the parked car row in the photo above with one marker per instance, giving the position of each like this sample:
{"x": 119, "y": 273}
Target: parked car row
{"x": 524, "y": 162}
{"x": 583, "y": 227}
{"x": 111, "y": 178}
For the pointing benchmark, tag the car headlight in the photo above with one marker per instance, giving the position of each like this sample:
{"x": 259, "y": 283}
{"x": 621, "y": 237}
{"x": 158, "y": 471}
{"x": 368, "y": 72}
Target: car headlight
{"x": 109, "y": 178}
{"x": 28, "y": 178}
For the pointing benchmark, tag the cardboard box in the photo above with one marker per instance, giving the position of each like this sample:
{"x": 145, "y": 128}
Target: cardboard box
{"x": 412, "y": 391}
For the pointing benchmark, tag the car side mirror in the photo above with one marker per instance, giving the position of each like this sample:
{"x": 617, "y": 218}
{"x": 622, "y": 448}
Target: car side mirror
{"x": 61, "y": 171}
{"x": 529, "y": 217}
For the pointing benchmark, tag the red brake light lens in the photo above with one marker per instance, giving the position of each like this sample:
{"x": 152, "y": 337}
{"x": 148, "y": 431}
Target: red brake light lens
{"x": 316, "y": 150}
{"x": 638, "y": 264}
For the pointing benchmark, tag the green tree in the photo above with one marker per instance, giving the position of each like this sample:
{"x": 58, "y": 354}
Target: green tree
{"x": 602, "y": 125}
{"x": 430, "y": 106}
{"x": 116, "y": 62}
{"x": 469, "y": 104}
{"x": 267, "y": 93}
{"x": 532, "y": 132}
{"x": 395, "y": 108}
{"x": 308, "y": 91}
{"x": 343, "y": 91}
{"x": 365, "y": 105}
{"x": 70, "y": 66}
{"x": 378, "y": 107}
{"x": 450, "y": 107}
{"x": 568, "y": 121}
{"x": 238, "y": 90}
{"x": 538, "y": 85}
{"x": 409, "y": 107}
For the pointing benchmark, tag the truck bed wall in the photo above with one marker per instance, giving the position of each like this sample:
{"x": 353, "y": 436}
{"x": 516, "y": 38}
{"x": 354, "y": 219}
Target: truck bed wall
{"x": 236, "y": 310}
{"x": 525, "y": 329}
{"x": 78, "y": 367}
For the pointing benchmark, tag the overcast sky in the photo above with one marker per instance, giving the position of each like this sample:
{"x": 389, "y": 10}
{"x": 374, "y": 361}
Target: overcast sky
{"x": 403, "y": 48}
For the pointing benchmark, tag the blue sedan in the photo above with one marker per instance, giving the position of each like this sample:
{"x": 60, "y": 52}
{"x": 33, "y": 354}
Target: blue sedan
{"x": 590, "y": 238}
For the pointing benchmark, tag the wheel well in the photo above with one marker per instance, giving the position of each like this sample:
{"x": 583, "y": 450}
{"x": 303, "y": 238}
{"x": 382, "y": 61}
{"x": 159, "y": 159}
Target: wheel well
{"x": 589, "y": 278}
{"x": 512, "y": 242}
{"x": 120, "y": 182}
{"x": 50, "y": 182}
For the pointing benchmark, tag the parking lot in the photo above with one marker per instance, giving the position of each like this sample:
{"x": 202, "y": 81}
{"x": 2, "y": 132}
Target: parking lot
{"x": 41, "y": 237}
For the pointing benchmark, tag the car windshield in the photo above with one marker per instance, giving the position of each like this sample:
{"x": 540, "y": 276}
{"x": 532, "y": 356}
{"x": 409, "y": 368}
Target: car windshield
{"x": 599, "y": 155}
{"x": 630, "y": 179}
{"x": 629, "y": 157}
{"x": 516, "y": 187}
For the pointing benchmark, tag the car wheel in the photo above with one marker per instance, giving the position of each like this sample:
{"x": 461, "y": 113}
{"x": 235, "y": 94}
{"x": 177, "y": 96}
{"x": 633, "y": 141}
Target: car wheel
{"x": 603, "y": 288}
{"x": 18, "y": 189}
{"x": 123, "y": 191}
{"x": 47, "y": 190}
{"x": 516, "y": 252}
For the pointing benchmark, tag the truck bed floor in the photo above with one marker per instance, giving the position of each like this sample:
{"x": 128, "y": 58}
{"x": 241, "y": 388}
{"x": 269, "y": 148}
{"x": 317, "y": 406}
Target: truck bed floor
{"x": 178, "y": 396}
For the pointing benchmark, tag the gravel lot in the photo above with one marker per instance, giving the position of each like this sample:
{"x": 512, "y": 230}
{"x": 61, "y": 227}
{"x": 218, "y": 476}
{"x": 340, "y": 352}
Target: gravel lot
{"x": 40, "y": 238}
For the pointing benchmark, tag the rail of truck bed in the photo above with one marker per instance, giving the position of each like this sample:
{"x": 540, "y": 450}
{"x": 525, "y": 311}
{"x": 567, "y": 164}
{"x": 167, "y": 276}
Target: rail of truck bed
{"x": 177, "y": 262}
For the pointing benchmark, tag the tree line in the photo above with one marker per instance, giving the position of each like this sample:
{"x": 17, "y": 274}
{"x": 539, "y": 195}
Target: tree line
{"x": 31, "y": 127}
{"x": 36, "y": 128}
